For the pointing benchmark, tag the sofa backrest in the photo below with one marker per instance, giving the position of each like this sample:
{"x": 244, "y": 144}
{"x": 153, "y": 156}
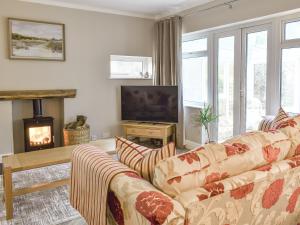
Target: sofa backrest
{"x": 291, "y": 128}
{"x": 215, "y": 162}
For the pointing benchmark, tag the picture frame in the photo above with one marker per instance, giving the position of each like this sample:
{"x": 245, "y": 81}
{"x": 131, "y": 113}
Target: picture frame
{"x": 36, "y": 40}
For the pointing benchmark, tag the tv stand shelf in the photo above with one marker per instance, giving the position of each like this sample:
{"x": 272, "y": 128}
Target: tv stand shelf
{"x": 150, "y": 130}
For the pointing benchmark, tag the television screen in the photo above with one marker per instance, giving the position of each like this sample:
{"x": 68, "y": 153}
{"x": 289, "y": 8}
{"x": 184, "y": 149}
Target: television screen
{"x": 150, "y": 103}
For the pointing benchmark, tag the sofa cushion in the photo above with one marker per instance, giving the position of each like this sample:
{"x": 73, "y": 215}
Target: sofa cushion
{"x": 169, "y": 172}
{"x": 219, "y": 161}
{"x": 233, "y": 183}
{"x": 248, "y": 198}
{"x": 266, "y": 123}
{"x": 281, "y": 116}
{"x": 291, "y": 127}
{"x": 260, "y": 147}
{"x": 140, "y": 158}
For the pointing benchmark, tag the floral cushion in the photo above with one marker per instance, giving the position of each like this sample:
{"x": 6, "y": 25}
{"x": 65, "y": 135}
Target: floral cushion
{"x": 267, "y": 195}
{"x": 170, "y": 171}
{"x": 204, "y": 165}
{"x": 261, "y": 147}
{"x": 291, "y": 127}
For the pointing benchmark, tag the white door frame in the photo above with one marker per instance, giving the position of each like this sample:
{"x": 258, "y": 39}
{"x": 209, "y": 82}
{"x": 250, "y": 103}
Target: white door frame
{"x": 237, "y": 69}
{"x": 243, "y": 79}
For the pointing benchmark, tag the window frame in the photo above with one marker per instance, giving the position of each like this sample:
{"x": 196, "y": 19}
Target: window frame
{"x": 196, "y": 54}
{"x": 236, "y": 34}
{"x": 244, "y": 66}
{"x": 276, "y": 44}
{"x": 283, "y": 30}
{"x": 286, "y": 44}
{"x": 146, "y": 64}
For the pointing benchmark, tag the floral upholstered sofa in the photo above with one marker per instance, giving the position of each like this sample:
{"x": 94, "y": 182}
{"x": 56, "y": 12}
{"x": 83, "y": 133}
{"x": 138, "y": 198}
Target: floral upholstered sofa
{"x": 250, "y": 179}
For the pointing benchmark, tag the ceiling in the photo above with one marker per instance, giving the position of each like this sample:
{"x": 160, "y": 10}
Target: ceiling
{"x": 140, "y": 8}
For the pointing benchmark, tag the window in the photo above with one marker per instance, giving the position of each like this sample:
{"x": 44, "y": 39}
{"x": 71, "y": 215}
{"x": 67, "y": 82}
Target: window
{"x": 292, "y": 30}
{"x": 194, "y": 45}
{"x": 290, "y": 67}
{"x": 290, "y": 91}
{"x": 130, "y": 67}
{"x": 225, "y": 86}
{"x": 256, "y": 77}
{"x": 195, "y": 71}
{"x": 245, "y": 71}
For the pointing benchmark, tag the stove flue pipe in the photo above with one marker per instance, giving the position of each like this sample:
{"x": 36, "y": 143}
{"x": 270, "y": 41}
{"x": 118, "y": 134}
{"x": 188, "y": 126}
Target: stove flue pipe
{"x": 37, "y": 108}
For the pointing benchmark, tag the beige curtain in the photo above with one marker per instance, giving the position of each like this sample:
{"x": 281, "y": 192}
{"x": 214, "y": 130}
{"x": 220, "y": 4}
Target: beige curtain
{"x": 167, "y": 62}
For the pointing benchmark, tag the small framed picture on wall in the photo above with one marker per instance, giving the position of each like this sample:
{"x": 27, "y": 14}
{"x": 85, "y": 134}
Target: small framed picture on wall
{"x": 36, "y": 40}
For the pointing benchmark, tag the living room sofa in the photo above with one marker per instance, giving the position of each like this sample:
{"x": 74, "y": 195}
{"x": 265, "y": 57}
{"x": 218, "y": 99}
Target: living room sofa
{"x": 253, "y": 178}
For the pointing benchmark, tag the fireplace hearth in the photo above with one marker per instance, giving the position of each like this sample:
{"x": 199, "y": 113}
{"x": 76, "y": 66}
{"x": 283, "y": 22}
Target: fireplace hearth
{"x": 38, "y": 131}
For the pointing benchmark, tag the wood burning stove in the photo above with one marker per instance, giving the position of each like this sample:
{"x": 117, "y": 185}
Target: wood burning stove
{"x": 38, "y": 131}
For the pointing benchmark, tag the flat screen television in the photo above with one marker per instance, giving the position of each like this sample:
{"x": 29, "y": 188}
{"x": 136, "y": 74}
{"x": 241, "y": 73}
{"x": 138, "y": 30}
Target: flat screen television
{"x": 150, "y": 103}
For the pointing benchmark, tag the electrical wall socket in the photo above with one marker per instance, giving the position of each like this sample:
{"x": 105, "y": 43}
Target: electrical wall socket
{"x": 106, "y": 134}
{"x": 94, "y": 137}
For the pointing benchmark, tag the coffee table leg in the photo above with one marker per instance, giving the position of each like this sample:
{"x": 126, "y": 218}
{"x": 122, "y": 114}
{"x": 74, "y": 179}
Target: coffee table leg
{"x": 8, "y": 192}
{"x": 165, "y": 141}
{"x": 3, "y": 183}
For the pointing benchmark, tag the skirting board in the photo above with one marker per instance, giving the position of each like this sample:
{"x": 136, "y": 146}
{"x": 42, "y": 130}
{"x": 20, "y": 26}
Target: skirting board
{"x": 191, "y": 144}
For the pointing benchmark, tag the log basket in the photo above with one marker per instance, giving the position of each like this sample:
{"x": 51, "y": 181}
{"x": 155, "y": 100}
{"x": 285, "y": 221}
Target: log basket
{"x": 76, "y": 136}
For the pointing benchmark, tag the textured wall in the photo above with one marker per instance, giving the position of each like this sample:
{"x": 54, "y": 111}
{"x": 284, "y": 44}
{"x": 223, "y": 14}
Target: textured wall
{"x": 242, "y": 10}
{"x": 90, "y": 38}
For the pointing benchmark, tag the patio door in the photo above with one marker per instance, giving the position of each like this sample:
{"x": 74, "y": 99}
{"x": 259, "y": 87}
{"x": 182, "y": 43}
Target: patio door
{"x": 255, "y": 70}
{"x": 227, "y": 83}
{"x": 240, "y": 79}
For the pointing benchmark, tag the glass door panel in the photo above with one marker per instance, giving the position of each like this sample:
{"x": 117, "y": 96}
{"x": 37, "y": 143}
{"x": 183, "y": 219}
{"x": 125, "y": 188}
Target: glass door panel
{"x": 256, "y": 78}
{"x": 290, "y": 80}
{"x": 225, "y": 82}
{"x": 195, "y": 79}
{"x": 240, "y": 80}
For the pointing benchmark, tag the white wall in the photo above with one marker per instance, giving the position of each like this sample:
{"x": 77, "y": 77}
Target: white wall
{"x": 90, "y": 38}
{"x": 242, "y": 10}
{"x": 6, "y": 128}
{"x": 193, "y": 129}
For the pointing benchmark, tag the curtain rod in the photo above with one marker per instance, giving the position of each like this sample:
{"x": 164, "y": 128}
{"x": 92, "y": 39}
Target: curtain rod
{"x": 228, "y": 3}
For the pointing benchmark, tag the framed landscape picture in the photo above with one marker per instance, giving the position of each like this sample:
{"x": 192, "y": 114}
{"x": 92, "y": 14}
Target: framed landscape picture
{"x": 37, "y": 40}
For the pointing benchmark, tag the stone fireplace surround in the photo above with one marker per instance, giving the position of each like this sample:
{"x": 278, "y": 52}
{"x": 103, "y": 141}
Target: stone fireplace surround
{"x": 16, "y": 105}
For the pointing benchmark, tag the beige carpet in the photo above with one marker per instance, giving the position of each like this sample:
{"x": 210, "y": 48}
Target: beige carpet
{"x": 49, "y": 207}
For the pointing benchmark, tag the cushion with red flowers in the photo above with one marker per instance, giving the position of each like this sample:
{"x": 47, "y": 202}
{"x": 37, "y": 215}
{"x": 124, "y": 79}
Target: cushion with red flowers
{"x": 168, "y": 174}
{"x": 215, "y": 162}
{"x": 261, "y": 147}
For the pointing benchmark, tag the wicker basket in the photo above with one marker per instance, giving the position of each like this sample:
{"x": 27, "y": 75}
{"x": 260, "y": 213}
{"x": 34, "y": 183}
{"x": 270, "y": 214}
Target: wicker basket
{"x": 77, "y": 136}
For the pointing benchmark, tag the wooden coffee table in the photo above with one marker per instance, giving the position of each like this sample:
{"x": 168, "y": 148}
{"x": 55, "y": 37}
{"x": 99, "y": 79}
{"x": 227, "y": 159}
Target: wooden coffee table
{"x": 38, "y": 159}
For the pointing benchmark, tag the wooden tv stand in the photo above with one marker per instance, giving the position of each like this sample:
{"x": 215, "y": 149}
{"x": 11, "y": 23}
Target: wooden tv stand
{"x": 150, "y": 130}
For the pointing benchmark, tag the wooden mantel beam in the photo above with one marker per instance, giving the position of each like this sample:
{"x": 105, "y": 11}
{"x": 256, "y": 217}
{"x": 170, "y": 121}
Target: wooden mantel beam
{"x": 37, "y": 94}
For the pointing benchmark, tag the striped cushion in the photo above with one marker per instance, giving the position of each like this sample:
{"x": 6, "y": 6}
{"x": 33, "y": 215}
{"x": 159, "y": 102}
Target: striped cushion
{"x": 140, "y": 158}
{"x": 266, "y": 124}
{"x": 281, "y": 115}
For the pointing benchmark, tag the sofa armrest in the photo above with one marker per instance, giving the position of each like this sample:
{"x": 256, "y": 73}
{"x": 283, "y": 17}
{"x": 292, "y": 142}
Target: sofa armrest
{"x": 135, "y": 201}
